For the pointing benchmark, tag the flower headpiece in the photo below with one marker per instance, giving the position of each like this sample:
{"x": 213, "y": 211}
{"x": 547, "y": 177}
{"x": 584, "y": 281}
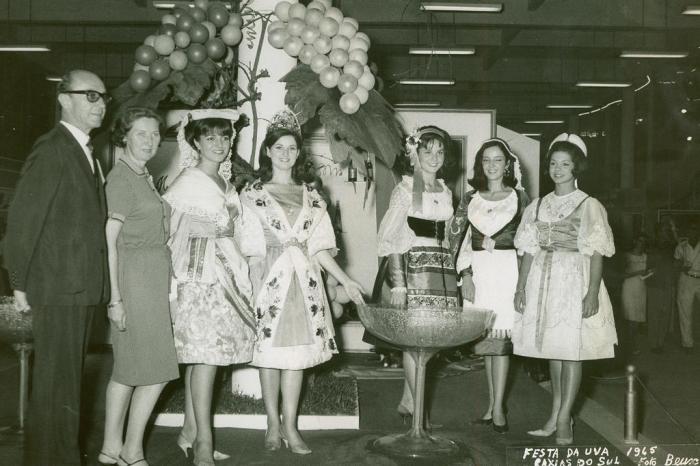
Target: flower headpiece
{"x": 188, "y": 154}
{"x": 517, "y": 172}
{"x": 286, "y": 119}
{"x": 573, "y": 139}
{"x": 412, "y": 143}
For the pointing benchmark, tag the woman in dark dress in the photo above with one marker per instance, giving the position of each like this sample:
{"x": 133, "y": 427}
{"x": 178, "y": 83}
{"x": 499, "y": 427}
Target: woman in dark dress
{"x": 142, "y": 339}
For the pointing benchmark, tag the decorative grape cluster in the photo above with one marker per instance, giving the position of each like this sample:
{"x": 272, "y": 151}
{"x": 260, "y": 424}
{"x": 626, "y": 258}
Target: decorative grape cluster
{"x": 321, "y": 37}
{"x": 187, "y": 35}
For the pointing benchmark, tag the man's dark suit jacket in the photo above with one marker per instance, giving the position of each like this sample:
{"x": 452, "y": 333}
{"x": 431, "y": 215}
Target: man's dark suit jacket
{"x": 55, "y": 247}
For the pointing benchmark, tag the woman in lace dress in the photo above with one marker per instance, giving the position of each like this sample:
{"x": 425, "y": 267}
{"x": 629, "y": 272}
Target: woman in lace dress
{"x": 412, "y": 237}
{"x": 481, "y": 237}
{"x": 212, "y": 320}
{"x": 564, "y": 311}
{"x": 288, "y": 238}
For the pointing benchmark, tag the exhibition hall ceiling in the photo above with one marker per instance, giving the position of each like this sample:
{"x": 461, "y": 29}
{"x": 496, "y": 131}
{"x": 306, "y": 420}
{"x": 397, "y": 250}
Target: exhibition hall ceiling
{"x": 528, "y": 55}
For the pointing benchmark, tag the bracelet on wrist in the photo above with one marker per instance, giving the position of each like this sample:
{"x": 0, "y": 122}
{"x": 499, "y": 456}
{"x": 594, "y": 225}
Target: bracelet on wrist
{"x": 114, "y": 303}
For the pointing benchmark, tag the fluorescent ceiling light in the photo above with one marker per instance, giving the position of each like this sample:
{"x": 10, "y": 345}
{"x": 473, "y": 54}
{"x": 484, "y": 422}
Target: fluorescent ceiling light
{"x": 24, "y": 48}
{"x": 692, "y": 10}
{"x": 532, "y": 135}
{"x": 568, "y": 106}
{"x": 167, "y": 5}
{"x": 428, "y": 82}
{"x": 417, "y": 104}
{"x": 601, "y": 84}
{"x": 649, "y": 54}
{"x": 462, "y": 7}
{"x": 55, "y": 79}
{"x": 441, "y": 51}
{"x": 544, "y": 122}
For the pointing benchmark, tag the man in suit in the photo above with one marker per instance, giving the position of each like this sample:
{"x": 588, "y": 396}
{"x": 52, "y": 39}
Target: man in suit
{"x": 56, "y": 259}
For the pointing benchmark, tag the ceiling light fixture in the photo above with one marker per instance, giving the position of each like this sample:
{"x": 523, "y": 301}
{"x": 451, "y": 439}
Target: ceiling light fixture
{"x": 544, "y": 122}
{"x": 569, "y": 106}
{"x": 428, "y": 82}
{"x": 54, "y": 79}
{"x": 417, "y": 104}
{"x": 602, "y": 84}
{"x": 692, "y": 10}
{"x": 167, "y": 5}
{"x": 462, "y": 7}
{"x": 649, "y": 54}
{"x": 441, "y": 51}
{"x": 532, "y": 135}
{"x": 24, "y": 48}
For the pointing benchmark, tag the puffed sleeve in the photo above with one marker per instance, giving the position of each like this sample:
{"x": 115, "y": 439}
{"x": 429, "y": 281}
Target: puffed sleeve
{"x": 595, "y": 234}
{"x": 395, "y": 237}
{"x": 248, "y": 233}
{"x": 119, "y": 194}
{"x": 322, "y": 237}
{"x": 526, "y": 238}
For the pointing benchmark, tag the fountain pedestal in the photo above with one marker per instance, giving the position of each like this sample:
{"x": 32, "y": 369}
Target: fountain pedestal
{"x": 16, "y": 329}
{"x": 422, "y": 333}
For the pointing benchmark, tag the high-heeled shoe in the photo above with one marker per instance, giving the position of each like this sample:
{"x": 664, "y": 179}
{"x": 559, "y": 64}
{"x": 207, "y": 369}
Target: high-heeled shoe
{"x": 272, "y": 444}
{"x": 186, "y": 445}
{"x": 500, "y": 428}
{"x": 298, "y": 449}
{"x": 542, "y": 432}
{"x": 405, "y": 413}
{"x": 107, "y": 459}
{"x": 566, "y": 440}
{"x": 124, "y": 462}
{"x": 480, "y": 421}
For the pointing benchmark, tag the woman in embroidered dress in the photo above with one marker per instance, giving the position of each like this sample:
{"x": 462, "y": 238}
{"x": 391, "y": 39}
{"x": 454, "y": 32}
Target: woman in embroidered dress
{"x": 212, "y": 319}
{"x": 288, "y": 235}
{"x": 412, "y": 237}
{"x": 481, "y": 237}
{"x": 564, "y": 311}
{"x": 142, "y": 338}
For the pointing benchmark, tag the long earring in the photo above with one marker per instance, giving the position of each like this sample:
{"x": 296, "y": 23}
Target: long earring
{"x": 506, "y": 172}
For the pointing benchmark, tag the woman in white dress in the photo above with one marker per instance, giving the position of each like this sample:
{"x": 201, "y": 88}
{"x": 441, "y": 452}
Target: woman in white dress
{"x": 634, "y": 289}
{"x": 288, "y": 236}
{"x": 481, "y": 236}
{"x": 213, "y": 321}
{"x": 564, "y": 311}
{"x": 412, "y": 238}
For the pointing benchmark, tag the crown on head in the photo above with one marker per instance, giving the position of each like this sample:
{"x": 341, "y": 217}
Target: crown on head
{"x": 286, "y": 119}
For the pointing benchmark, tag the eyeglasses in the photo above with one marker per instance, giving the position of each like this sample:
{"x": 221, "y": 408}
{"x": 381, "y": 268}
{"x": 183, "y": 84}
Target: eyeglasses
{"x": 92, "y": 96}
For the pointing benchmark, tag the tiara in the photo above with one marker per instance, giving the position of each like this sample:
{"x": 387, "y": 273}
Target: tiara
{"x": 286, "y": 119}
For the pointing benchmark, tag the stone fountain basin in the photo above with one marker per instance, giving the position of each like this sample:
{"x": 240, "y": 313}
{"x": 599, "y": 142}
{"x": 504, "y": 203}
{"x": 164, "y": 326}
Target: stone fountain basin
{"x": 426, "y": 327}
{"x": 15, "y": 327}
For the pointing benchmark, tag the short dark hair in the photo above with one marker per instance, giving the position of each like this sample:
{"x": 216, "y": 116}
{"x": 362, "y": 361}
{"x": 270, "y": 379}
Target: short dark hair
{"x": 125, "y": 121}
{"x": 574, "y": 151}
{"x": 429, "y": 135}
{"x": 195, "y": 129}
{"x": 302, "y": 171}
{"x": 479, "y": 180}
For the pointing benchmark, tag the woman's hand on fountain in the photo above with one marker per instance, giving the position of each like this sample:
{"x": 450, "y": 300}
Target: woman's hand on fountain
{"x": 117, "y": 315}
{"x": 468, "y": 288}
{"x": 399, "y": 297}
{"x": 354, "y": 291}
{"x": 519, "y": 301}
{"x": 21, "y": 303}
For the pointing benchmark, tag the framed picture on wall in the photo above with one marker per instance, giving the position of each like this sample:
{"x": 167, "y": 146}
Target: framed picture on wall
{"x": 468, "y": 129}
